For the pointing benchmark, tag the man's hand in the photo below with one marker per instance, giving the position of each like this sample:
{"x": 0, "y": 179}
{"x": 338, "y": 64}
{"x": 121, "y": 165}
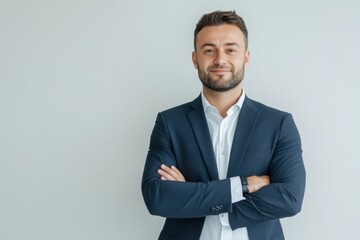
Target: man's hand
{"x": 257, "y": 182}
{"x": 170, "y": 173}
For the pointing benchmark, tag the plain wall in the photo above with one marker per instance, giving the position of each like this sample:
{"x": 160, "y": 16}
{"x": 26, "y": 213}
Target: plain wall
{"x": 81, "y": 83}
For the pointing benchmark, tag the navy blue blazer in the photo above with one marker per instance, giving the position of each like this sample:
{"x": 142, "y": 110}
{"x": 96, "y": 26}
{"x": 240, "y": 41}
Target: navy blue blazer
{"x": 266, "y": 142}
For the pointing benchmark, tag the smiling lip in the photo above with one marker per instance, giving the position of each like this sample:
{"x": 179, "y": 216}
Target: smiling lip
{"x": 220, "y": 71}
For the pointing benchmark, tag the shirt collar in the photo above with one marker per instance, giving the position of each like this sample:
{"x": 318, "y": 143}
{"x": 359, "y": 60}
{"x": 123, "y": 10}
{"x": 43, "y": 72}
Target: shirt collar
{"x": 207, "y": 106}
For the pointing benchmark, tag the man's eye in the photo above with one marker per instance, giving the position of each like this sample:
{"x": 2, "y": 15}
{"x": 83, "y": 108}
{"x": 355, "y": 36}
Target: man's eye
{"x": 231, "y": 51}
{"x": 209, "y": 51}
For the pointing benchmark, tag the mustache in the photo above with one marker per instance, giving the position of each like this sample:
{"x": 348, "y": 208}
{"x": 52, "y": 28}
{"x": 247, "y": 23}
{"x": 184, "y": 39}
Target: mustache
{"x": 219, "y": 68}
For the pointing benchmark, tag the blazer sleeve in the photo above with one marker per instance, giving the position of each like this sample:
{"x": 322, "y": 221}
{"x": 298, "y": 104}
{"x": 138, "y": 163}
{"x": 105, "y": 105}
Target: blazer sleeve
{"x": 284, "y": 195}
{"x": 178, "y": 199}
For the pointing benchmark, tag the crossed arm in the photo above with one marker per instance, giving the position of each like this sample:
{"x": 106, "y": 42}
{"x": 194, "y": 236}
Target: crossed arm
{"x": 173, "y": 174}
{"x": 167, "y": 194}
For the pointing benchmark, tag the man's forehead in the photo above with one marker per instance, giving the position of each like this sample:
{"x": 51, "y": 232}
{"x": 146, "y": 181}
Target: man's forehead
{"x": 227, "y": 34}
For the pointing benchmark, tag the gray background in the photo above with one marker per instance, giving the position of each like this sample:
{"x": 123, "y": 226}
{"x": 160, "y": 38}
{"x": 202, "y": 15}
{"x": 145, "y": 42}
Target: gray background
{"x": 81, "y": 83}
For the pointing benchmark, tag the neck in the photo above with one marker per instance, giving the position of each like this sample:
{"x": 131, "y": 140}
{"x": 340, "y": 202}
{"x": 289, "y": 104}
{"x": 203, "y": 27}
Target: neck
{"x": 222, "y": 101}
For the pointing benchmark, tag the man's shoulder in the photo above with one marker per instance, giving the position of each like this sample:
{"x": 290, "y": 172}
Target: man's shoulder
{"x": 263, "y": 108}
{"x": 177, "y": 109}
{"x": 182, "y": 109}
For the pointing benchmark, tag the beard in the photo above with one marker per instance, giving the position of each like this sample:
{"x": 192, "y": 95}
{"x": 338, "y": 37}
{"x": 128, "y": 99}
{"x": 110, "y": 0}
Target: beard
{"x": 222, "y": 84}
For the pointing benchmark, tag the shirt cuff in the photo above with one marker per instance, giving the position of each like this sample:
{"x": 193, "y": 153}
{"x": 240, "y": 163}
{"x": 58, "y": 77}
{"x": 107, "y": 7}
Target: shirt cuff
{"x": 236, "y": 190}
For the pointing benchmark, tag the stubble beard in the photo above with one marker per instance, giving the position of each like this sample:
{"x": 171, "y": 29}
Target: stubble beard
{"x": 221, "y": 85}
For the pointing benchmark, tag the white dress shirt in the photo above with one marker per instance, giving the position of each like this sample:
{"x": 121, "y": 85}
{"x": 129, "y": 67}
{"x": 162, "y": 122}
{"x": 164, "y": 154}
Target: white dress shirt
{"x": 222, "y": 130}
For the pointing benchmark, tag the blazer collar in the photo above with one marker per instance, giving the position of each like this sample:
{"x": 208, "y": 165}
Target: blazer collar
{"x": 200, "y": 128}
{"x": 248, "y": 118}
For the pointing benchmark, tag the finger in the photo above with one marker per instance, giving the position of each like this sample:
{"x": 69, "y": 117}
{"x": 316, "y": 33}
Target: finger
{"x": 176, "y": 170}
{"x": 165, "y": 168}
{"x": 165, "y": 176}
{"x": 172, "y": 173}
{"x": 181, "y": 177}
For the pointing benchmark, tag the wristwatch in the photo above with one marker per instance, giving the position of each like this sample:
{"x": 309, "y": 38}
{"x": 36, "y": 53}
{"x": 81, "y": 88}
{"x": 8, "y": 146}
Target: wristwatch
{"x": 244, "y": 184}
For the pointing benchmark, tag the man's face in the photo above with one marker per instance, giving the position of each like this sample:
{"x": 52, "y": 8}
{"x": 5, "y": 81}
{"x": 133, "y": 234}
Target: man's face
{"x": 220, "y": 57}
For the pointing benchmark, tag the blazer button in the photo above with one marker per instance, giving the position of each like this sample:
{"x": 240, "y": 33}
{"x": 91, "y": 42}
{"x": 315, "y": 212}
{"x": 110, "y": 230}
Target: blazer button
{"x": 217, "y": 208}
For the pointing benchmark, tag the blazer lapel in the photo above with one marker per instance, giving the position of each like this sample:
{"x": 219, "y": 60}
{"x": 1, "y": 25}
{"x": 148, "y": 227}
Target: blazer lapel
{"x": 248, "y": 117}
{"x": 199, "y": 125}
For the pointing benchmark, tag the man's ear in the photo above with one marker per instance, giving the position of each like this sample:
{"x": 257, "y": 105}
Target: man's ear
{"x": 247, "y": 57}
{"x": 194, "y": 60}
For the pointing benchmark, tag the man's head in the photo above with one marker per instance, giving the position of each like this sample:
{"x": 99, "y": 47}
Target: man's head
{"x": 221, "y": 50}
{"x": 219, "y": 18}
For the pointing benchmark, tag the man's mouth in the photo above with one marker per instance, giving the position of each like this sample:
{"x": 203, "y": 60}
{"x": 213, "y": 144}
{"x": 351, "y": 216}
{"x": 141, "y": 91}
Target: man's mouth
{"x": 220, "y": 70}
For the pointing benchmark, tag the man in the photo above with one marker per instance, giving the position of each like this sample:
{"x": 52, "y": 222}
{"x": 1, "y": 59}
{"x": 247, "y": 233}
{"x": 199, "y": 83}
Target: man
{"x": 223, "y": 166}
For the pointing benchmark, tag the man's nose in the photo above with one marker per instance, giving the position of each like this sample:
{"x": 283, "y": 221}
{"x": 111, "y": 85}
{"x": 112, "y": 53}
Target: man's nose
{"x": 220, "y": 59}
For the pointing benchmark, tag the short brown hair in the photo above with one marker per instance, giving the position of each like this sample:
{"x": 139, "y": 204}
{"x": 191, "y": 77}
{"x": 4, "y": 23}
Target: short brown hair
{"x": 218, "y": 18}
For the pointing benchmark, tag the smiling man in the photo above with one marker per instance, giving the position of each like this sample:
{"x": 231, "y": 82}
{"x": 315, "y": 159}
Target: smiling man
{"x": 223, "y": 167}
{"x": 220, "y": 57}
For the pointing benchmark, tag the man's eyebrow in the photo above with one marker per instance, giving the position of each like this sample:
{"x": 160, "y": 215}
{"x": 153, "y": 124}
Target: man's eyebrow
{"x": 232, "y": 44}
{"x": 214, "y": 45}
{"x": 207, "y": 45}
